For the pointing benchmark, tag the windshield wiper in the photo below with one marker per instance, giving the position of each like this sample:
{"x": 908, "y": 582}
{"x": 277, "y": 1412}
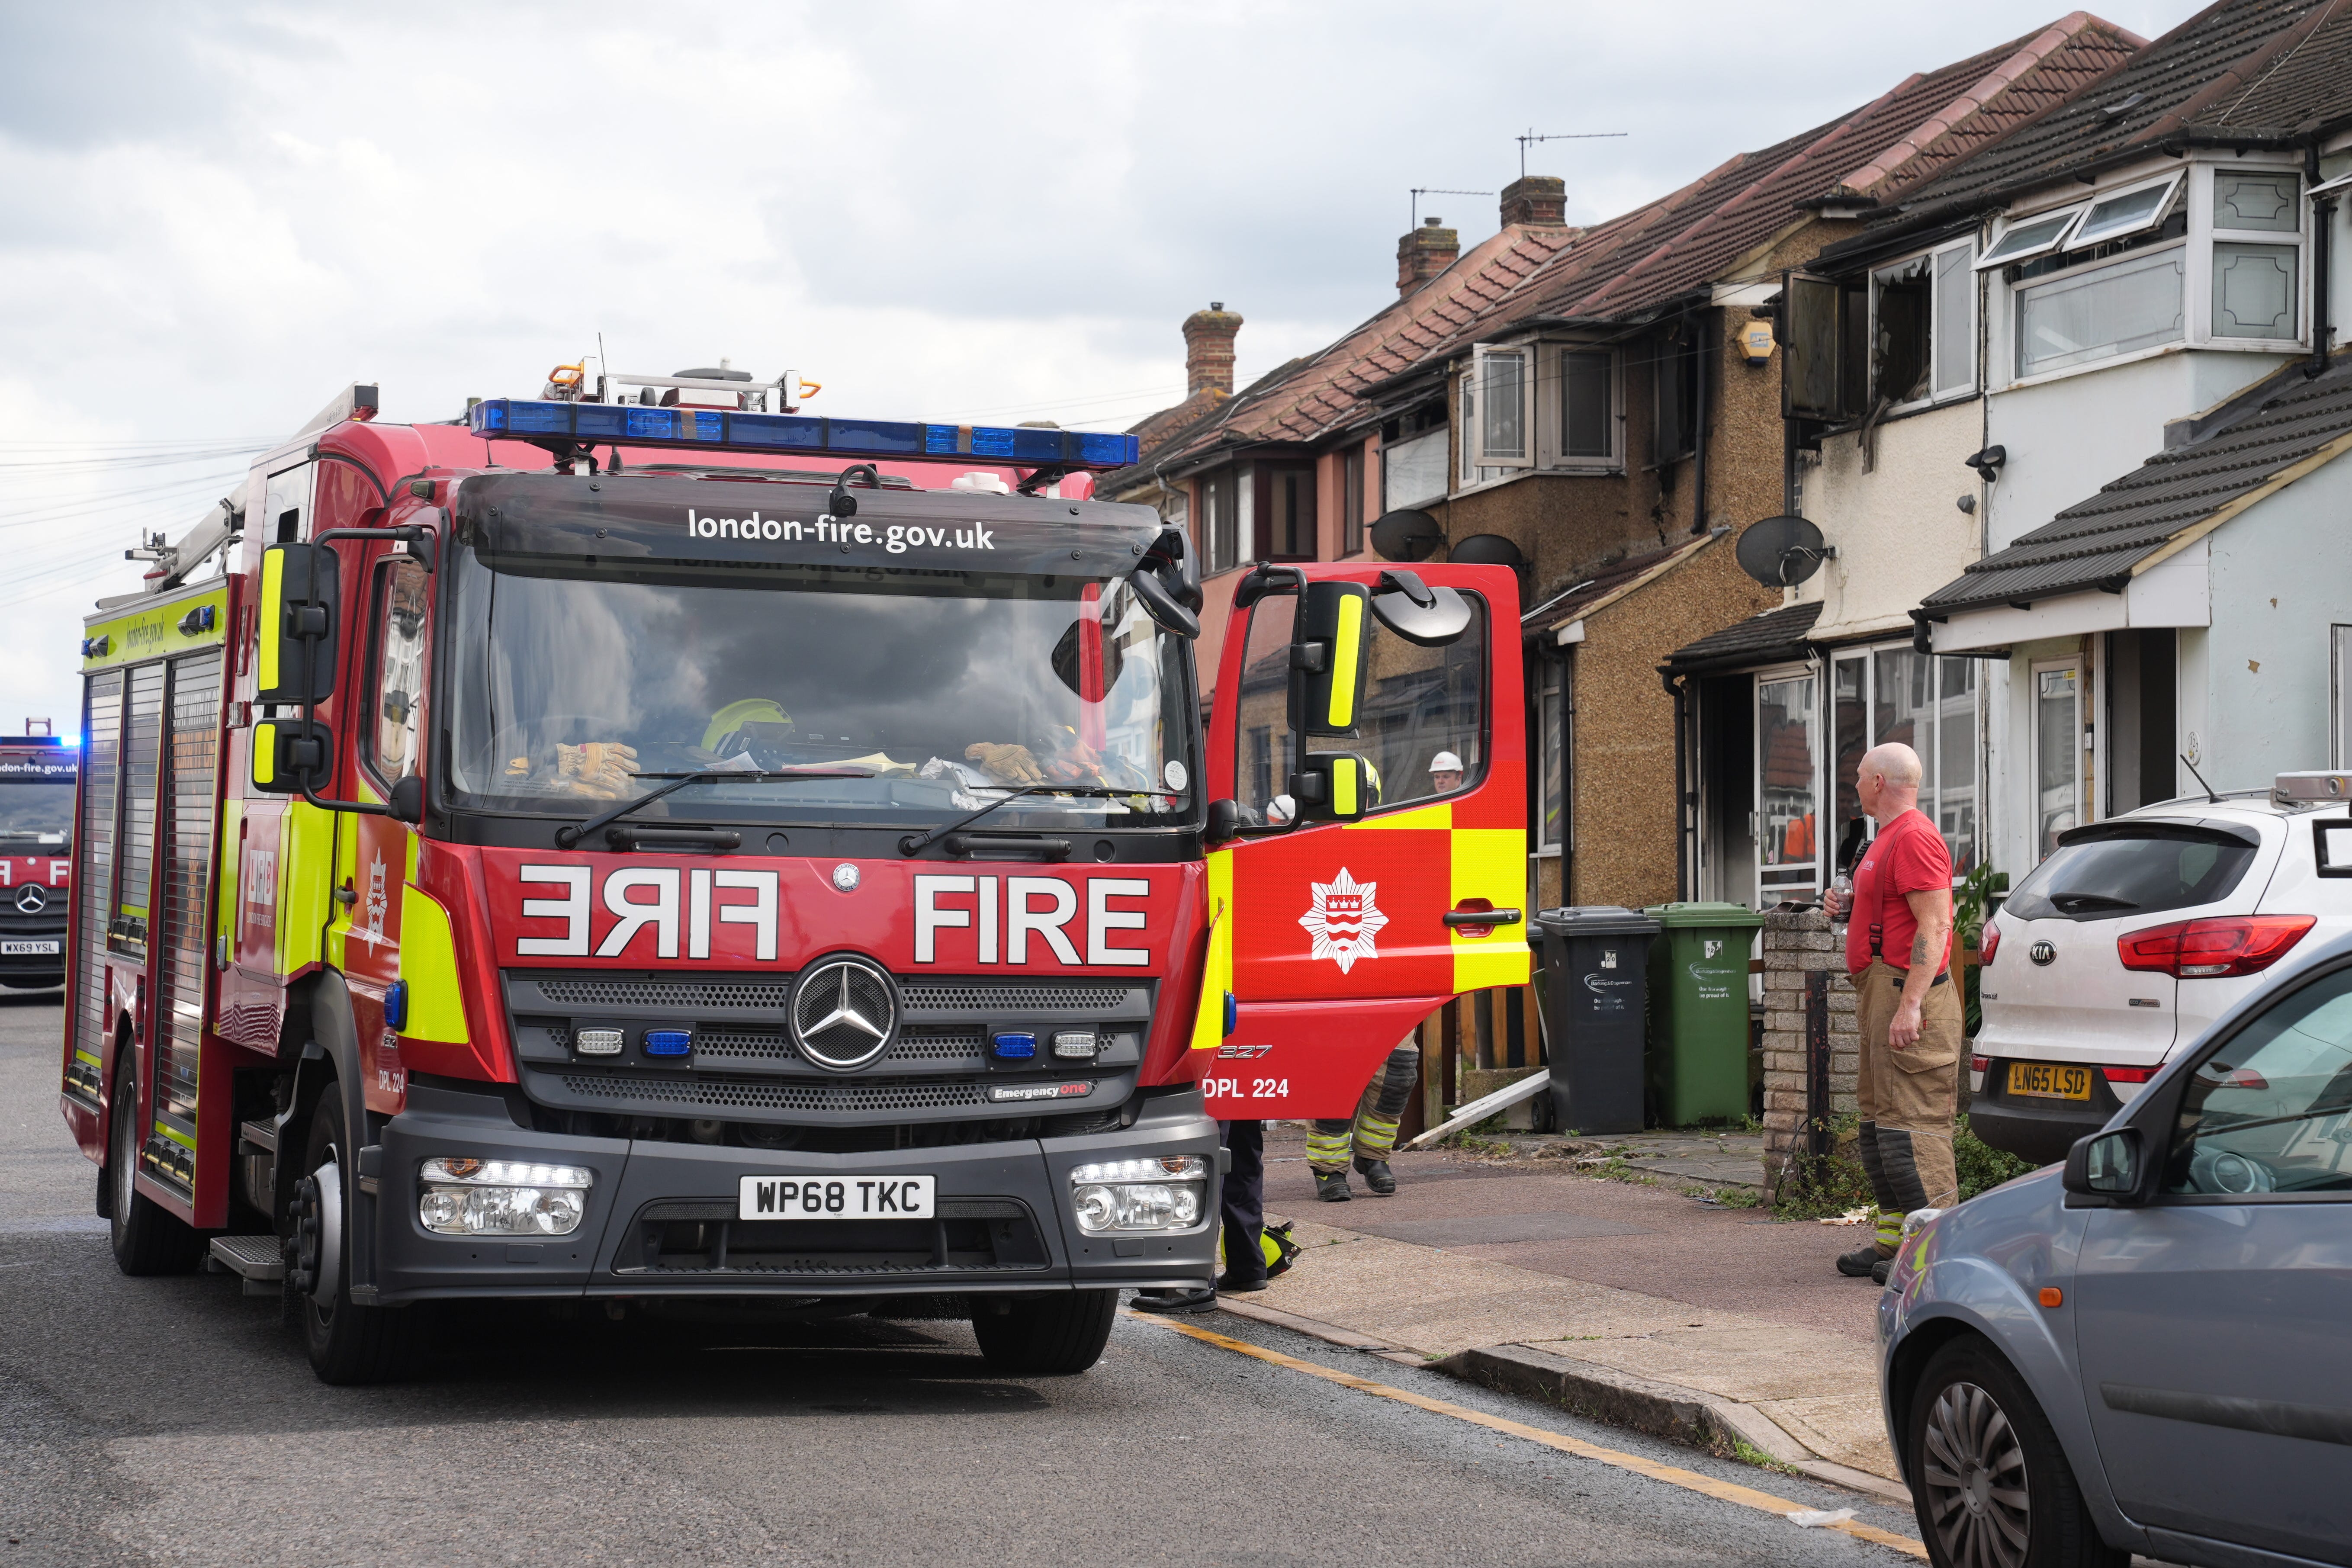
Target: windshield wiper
{"x": 915, "y": 843}
{"x": 570, "y": 834}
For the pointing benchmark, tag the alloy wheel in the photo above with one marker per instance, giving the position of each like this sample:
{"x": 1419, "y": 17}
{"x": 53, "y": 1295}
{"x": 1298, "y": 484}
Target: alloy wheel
{"x": 1977, "y": 1495}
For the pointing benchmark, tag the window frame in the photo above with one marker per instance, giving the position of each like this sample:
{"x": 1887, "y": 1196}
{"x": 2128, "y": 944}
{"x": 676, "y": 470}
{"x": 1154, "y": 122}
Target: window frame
{"x": 1993, "y": 256}
{"x": 2021, "y": 376}
{"x": 1554, "y": 732}
{"x": 2205, "y": 234}
{"x": 1964, "y": 276}
{"x": 2077, "y": 235}
{"x": 1265, "y": 478}
{"x": 1222, "y": 485}
{"x": 1799, "y": 878}
{"x": 379, "y": 577}
{"x": 1552, "y": 409}
{"x": 1931, "y": 785}
{"x": 1483, "y": 357}
{"x": 1350, "y": 488}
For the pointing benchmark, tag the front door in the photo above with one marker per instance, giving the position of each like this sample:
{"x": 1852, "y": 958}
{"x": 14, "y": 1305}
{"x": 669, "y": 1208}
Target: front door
{"x": 1339, "y": 936}
{"x": 2211, "y": 1322}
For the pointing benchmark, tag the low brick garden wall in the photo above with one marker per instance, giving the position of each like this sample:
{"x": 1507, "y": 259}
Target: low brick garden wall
{"x": 1803, "y": 961}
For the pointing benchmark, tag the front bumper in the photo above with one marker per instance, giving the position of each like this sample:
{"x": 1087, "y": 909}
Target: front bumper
{"x": 660, "y": 1218}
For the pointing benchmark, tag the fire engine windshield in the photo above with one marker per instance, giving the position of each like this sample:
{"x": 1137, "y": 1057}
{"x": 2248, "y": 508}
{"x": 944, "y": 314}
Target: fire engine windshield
{"x": 934, "y": 692}
{"x": 42, "y": 812}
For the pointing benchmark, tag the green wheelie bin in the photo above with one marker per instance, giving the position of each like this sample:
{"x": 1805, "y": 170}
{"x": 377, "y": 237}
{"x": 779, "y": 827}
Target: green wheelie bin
{"x": 1697, "y": 1058}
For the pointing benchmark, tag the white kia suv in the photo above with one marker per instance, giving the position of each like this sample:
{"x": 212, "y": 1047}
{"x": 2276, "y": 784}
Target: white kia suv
{"x": 2134, "y": 936}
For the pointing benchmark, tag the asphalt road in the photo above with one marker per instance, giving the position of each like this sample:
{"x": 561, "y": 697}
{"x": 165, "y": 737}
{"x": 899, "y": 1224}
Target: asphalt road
{"x": 175, "y": 1420}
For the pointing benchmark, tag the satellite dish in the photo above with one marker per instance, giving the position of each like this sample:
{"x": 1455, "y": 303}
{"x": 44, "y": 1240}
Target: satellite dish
{"x": 1407, "y": 535}
{"x": 1485, "y": 550}
{"x": 1780, "y": 551}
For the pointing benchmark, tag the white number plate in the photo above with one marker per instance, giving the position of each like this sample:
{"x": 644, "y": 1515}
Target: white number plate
{"x": 11, "y": 949}
{"x": 836, "y": 1197}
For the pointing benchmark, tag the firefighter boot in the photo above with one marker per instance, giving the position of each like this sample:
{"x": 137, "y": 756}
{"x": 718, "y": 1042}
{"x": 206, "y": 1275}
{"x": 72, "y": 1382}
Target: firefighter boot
{"x": 1331, "y": 1187}
{"x": 1860, "y": 1263}
{"x": 1377, "y": 1176}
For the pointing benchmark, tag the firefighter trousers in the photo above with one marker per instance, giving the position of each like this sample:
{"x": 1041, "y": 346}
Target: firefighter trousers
{"x": 1909, "y": 1099}
{"x": 1241, "y": 1200}
{"x": 1371, "y": 1133}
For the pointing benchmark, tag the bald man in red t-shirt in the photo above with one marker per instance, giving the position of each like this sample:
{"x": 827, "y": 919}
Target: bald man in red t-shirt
{"x": 1898, "y": 952}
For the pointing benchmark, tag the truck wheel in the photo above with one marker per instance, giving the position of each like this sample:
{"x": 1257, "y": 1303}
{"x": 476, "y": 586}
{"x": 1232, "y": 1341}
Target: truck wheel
{"x": 1994, "y": 1488}
{"x": 147, "y": 1238}
{"x": 347, "y": 1344}
{"x": 1045, "y": 1336}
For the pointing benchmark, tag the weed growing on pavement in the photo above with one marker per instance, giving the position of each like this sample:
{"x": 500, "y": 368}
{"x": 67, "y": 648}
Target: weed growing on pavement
{"x": 1738, "y": 1197}
{"x": 1836, "y": 1183}
{"x": 1748, "y": 1453}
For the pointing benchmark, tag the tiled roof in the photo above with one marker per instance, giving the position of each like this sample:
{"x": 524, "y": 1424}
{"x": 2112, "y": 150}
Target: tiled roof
{"x": 1156, "y": 428}
{"x": 2241, "y": 64}
{"x": 1759, "y": 639}
{"x": 2097, "y": 544}
{"x": 1322, "y": 392}
{"x": 1704, "y": 233}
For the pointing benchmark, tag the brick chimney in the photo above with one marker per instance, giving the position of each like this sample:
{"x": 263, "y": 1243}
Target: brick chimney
{"x": 1424, "y": 253}
{"x": 1209, "y": 349}
{"x": 1539, "y": 200}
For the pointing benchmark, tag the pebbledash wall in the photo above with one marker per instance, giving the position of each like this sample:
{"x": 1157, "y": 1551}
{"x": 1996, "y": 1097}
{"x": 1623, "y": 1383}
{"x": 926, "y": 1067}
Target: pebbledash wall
{"x": 1797, "y": 944}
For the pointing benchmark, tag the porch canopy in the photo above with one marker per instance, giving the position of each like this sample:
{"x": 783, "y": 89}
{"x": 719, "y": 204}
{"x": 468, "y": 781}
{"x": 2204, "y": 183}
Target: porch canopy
{"x": 2134, "y": 553}
{"x": 1776, "y": 637}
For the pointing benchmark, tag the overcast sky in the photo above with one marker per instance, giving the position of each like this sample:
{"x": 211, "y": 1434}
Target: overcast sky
{"x": 217, "y": 215}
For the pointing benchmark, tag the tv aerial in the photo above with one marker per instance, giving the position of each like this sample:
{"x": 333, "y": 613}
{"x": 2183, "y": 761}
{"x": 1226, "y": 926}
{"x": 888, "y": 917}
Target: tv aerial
{"x": 1531, "y": 136}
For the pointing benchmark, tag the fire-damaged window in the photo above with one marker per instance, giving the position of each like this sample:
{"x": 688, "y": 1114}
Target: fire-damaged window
{"x": 1675, "y": 370}
{"x": 1923, "y": 327}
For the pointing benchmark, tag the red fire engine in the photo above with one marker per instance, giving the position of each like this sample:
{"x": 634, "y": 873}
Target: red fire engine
{"x": 648, "y": 843}
{"x": 37, "y": 807}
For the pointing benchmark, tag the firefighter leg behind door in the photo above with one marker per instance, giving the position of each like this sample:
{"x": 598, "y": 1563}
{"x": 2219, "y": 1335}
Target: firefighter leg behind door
{"x": 1241, "y": 1208}
{"x": 1369, "y": 1137}
{"x": 1909, "y": 1099}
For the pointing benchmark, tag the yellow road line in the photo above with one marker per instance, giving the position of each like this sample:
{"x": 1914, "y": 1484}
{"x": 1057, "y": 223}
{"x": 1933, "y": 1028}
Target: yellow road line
{"x": 1690, "y": 1480}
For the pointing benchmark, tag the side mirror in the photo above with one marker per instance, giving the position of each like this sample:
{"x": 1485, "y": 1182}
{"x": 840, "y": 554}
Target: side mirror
{"x": 1224, "y": 821}
{"x": 2104, "y": 1165}
{"x": 1423, "y": 615}
{"x": 301, "y": 590}
{"x": 1160, "y": 604}
{"x": 1330, "y": 660}
{"x": 407, "y": 801}
{"x": 1335, "y": 786}
{"x": 292, "y": 755}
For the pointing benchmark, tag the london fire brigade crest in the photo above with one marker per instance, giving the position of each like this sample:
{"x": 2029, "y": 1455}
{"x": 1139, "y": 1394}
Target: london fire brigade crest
{"x": 1344, "y": 919}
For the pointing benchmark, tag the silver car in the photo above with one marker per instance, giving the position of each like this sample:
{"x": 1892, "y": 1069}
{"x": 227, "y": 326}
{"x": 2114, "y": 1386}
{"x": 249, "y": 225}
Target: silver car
{"x": 2150, "y": 1349}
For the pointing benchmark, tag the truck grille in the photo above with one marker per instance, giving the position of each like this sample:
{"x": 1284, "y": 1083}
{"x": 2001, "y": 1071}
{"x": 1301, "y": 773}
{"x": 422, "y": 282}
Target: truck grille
{"x": 959, "y": 1047}
{"x": 930, "y": 997}
{"x": 732, "y": 995}
{"x": 703, "y": 1236}
{"x": 739, "y": 1094}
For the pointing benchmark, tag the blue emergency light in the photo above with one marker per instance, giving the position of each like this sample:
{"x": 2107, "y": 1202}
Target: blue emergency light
{"x": 669, "y": 1042}
{"x": 635, "y": 425}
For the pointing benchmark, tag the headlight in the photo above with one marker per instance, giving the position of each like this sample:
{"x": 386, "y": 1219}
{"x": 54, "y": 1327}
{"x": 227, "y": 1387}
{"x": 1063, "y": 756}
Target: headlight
{"x": 1918, "y": 1220}
{"x": 1163, "y": 1192}
{"x": 502, "y": 1198}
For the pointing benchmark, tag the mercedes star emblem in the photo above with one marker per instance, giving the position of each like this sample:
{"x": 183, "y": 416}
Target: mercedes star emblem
{"x": 844, "y": 876}
{"x": 845, "y": 1013}
{"x": 32, "y": 900}
{"x": 2042, "y": 953}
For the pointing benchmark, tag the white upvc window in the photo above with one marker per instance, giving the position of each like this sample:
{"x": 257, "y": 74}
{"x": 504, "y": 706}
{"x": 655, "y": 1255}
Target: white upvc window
{"x": 1504, "y": 432}
{"x": 2246, "y": 225}
{"x": 1579, "y": 408}
{"x": 1923, "y": 327}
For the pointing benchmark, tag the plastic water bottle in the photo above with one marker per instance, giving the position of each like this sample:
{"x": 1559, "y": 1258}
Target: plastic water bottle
{"x": 1842, "y": 885}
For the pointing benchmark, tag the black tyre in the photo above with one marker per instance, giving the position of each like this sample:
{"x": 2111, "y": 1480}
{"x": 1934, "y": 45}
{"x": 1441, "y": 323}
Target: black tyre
{"x": 1993, "y": 1487}
{"x": 1045, "y": 1336}
{"x": 347, "y": 1344}
{"x": 147, "y": 1238}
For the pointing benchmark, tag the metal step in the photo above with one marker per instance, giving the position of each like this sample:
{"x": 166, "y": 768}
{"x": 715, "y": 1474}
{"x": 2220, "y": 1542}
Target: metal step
{"x": 254, "y": 1257}
{"x": 260, "y": 1134}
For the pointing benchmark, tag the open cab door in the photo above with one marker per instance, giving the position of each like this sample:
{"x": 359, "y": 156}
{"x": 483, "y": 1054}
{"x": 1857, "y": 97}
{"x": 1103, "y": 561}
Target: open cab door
{"x": 1355, "y": 886}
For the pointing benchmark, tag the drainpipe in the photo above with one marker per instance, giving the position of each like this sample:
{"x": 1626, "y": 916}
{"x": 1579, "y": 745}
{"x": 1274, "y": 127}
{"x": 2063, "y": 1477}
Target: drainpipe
{"x": 1704, "y": 359}
{"x": 2323, "y": 218}
{"x": 1683, "y": 825}
{"x": 1788, "y": 468}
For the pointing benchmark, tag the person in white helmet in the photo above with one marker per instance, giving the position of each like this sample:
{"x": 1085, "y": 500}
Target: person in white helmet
{"x": 1445, "y": 773}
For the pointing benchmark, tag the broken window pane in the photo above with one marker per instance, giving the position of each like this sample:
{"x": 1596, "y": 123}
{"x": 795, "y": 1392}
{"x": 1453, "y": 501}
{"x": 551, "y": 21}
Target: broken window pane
{"x": 1902, "y": 306}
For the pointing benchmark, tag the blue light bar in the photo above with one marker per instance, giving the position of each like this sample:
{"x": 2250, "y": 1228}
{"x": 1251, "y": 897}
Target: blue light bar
{"x": 634, "y": 425}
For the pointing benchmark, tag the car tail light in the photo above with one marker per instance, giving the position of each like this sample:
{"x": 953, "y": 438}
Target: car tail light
{"x": 2208, "y": 949}
{"x": 1987, "y": 944}
{"x": 1980, "y": 1063}
{"x": 2130, "y": 1075}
